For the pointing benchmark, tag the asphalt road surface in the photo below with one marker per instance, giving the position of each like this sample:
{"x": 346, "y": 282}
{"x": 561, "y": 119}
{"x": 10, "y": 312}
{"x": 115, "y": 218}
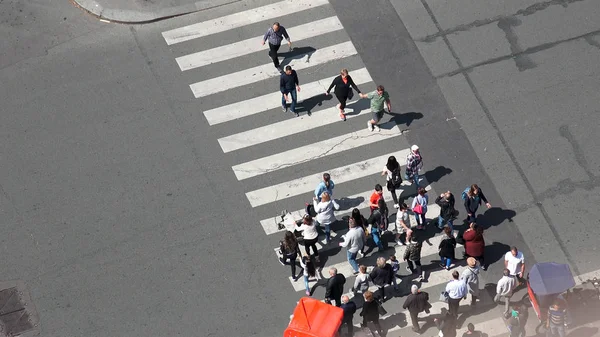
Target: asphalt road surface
{"x": 144, "y": 167}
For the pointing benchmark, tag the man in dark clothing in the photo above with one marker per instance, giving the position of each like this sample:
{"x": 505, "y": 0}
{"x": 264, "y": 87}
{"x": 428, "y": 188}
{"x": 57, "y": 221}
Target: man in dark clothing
{"x": 275, "y": 35}
{"x": 447, "y": 210}
{"x": 349, "y": 308}
{"x": 335, "y": 287}
{"x": 288, "y": 84}
{"x": 416, "y": 302}
{"x": 381, "y": 276}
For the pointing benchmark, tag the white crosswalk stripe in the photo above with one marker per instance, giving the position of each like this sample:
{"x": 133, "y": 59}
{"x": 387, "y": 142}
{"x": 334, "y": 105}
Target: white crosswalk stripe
{"x": 266, "y": 102}
{"x": 249, "y": 46}
{"x": 239, "y": 19}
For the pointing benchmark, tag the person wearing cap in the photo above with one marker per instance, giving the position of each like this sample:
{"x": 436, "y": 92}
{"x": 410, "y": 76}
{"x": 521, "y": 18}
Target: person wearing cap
{"x": 471, "y": 278}
{"x": 414, "y": 163}
{"x": 416, "y": 302}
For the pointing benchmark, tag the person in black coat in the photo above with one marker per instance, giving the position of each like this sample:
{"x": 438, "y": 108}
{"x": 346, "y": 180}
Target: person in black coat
{"x": 349, "y": 308}
{"x": 370, "y": 311}
{"x": 473, "y": 199}
{"x": 416, "y": 302}
{"x": 381, "y": 276}
{"x": 342, "y": 91}
{"x": 447, "y": 211}
{"x": 446, "y": 248}
{"x": 335, "y": 287}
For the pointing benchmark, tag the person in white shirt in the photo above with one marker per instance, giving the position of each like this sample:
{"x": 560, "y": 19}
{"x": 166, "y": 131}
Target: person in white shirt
{"x": 325, "y": 212}
{"x": 514, "y": 261}
{"x": 402, "y": 225}
{"x": 456, "y": 289}
{"x": 504, "y": 290}
{"x": 310, "y": 234}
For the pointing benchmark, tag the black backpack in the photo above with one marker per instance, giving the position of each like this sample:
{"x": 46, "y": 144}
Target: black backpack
{"x": 396, "y": 177}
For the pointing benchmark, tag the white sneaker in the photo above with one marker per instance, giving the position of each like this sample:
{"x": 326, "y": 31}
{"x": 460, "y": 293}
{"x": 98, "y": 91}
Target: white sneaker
{"x": 376, "y": 128}
{"x": 396, "y": 206}
{"x": 369, "y": 126}
{"x": 399, "y": 243}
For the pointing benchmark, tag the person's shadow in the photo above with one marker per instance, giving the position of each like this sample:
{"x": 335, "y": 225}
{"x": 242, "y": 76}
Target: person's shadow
{"x": 495, "y": 216}
{"x": 405, "y": 118}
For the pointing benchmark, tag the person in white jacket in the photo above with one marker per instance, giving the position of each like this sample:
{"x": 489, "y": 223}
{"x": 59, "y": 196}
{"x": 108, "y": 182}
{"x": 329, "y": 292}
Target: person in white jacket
{"x": 310, "y": 234}
{"x": 325, "y": 212}
{"x": 354, "y": 240}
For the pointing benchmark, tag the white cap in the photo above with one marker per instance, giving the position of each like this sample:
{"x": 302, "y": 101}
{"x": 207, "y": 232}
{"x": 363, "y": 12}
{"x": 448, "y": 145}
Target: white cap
{"x": 414, "y": 288}
{"x": 414, "y": 148}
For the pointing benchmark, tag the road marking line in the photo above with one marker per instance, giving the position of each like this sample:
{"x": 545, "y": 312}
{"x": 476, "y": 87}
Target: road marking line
{"x": 249, "y": 46}
{"x": 273, "y": 100}
{"x": 239, "y": 19}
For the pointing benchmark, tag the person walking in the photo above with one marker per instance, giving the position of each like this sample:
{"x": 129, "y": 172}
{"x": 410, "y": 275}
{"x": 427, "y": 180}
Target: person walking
{"x": 361, "y": 222}
{"x": 378, "y": 98}
{"x": 343, "y": 90}
{"x": 381, "y": 276}
{"x": 471, "y": 278}
{"x": 289, "y": 85}
{"x": 419, "y": 207}
{"x": 447, "y": 211}
{"x": 354, "y": 241}
{"x": 504, "y": 290}
{"x": 308, "y": 270}
{"x": 349, "y": 308}
{"x": 370, "y": 311}
{"x": 375, "y": 196}
{"x": 326, "y": 185}
{"x": 335, "y": 287}
{"x": 475, "y": 244}
{"x": 414, "y": 163}
{"x": 514, "y": 261}
{"x": 361, "y": 283}
{"x": 456, "y": 290}
{"x": 393, "y": 175}
{"x": 378, "y": 221}
{"x": 446, "y": 325}
{"x": 289, "y": 251}
{"x": 325, "y": 213}
{"x": 416, "y": 302}
{"x": 310, "y": 234}
{"x": 395, "y": 268}
{"x": 446, "y": 249}
{"x": 274, "y": 36}
{"x": 557, "y": 319}
{"x": 402, "y": 225}
{"x": 412, "y": 256}
{"x": 472, "y": 197}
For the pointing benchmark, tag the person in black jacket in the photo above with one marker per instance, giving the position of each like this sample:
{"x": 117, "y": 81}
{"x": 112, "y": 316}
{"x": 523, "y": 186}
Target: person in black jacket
{"x": 335, "y": 287}
{"x": 289, "y": 84}
{"x": 447, "y": 210}
{"x": 370, "y": 311}
{"x": 342, "y": 91}
{"x": 473, "y": 199}
{"x": 446, "y": 248}
{"x": 416, "y": 302}
{"x": 381, "y": 276}
{"x": 349, "y": 308}
{"x": 288, "y": 247}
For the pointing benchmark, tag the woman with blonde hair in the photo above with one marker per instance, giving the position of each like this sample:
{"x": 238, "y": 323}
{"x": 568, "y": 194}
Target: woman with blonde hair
{"x": 343, "y": 91}
{"x": 325, "y": 212}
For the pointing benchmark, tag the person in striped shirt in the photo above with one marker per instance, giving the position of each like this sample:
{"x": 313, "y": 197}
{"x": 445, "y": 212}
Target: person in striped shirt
{"x": 275, "y": 35}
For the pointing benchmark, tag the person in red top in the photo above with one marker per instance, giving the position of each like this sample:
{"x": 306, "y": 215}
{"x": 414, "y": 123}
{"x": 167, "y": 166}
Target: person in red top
{"x": 374, "y": 199}
{"x": 474, "y": 243}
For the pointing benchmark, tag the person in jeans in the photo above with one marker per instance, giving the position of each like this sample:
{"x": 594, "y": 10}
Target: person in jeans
{"x": 325, "y": 213}
{"x": 275, "y": 36}
{"x": 412, "y": 256}
{"x": 354, "y": 241}
{"x": 414, "y": 163}
{"x": 446, "y": 249}
{"x": 557, "y": 314}
{"x": 309, "y": 270}
{"x": 473, "y": 199}
{"x": 514, "y": 261}
{"x": 456, "y": 289}
{"x": 421, "y": 199}
{"x": 375, "y": 196}
{"x": 310, "y": 234}
{"x": 343, "y": 87}
{"x": 289, "y": 85}
{"x": 378, "y": 98}
{"x": 504, "y": 290}
{"x": 447, "y": 211}
{"x": 326, "y": 185}
{"x": 289, "y": 251}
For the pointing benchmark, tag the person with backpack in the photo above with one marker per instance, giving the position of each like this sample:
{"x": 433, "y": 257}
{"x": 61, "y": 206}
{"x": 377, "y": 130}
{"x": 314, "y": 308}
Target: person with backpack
{"x": 326, "y": 185}
{"x": 419, "y": 207}
{"x": 447, "y": 211}
{"x": 325, "y": 213}
{"x": 414, "y": 163}
{"x": 471, "y": 277}
{"x": 472, "y": 197}
{"x": 393, "y": 175}
{"x": 288, "y": 247}
{"x": 378, "y": 221}
{"x": 446, "y": 249}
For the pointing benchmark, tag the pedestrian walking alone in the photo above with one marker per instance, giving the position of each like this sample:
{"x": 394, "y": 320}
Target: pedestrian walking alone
{"x": 378, "y": 98}
{"x": 514, "y": 261}
{"x": 343, "y": 90}
{"x": 335, "y": 287}
{"x": 471, "y": 278}
{"x": 447, "y": 211}
{"x": 361, "y": 283}
{"x": 361, "y": 222}
{"x": 412, "y": 256}
{"x": 402, "y": 225}
{"x": 275, "y": 36}
{"x": 289, "y": 85}
{"x": 472, "y": 197}
{"x": 310, "y": 234}
{"x": 349, "y": 308}
{"x": 325, "y": 212}
{"x": 456, "y": 290}
{"x": 504, "y": 290}
{"x": 393, "y": 175}
{"x": 375, "y": 196}
{"x": 446, "y": 249}
{"x": 414, "y": 163}
{"x": 475, "y": 243}
{"x": 370, "y": 311}
{"x": 289, "y": 251}
{"x": 419, "y": 207}
{"x": 326, "y": 185}
{"x": 416, "y": 302}
{"x": 309, "y": 270}
{"x": 354, "y": 241}
{"x": 381, "y": 276}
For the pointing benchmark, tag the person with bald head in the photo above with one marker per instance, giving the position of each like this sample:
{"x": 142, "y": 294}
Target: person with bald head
{"x": 349, "y": 308}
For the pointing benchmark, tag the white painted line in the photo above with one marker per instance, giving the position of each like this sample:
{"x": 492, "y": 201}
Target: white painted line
{"x": 286, "y": 128}
{"x": 360, "y": 201}
{"x": 307, "y": 184}
{"x": 240, "y": 19}
{"x": 249, "y": 46}
{"x": 267, "y": 71}
{"x": 315, "y": 150}
{"x": 270, "y": 101}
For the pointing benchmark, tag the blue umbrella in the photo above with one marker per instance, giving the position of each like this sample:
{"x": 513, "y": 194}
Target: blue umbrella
{"x": 550, "y": 278}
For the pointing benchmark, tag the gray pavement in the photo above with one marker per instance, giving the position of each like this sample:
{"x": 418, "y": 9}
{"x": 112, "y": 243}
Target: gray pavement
{"x": 120, "y": 209}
